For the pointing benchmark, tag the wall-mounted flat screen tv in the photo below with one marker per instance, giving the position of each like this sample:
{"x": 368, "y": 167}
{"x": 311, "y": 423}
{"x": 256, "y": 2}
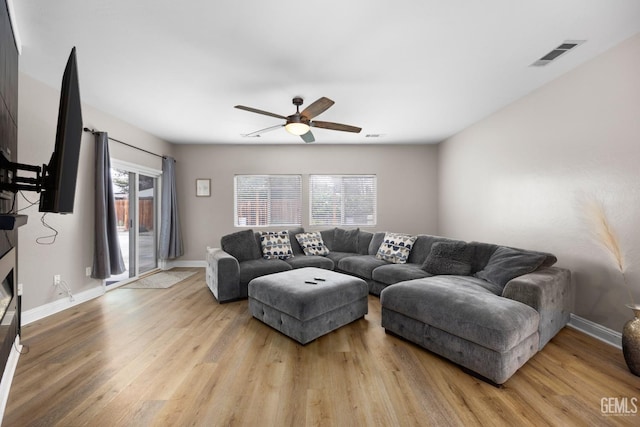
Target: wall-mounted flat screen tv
{"x": 60, "y": 175}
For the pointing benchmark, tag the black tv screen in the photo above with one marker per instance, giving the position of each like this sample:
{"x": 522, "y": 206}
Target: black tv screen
{"x": 60, "y": 175}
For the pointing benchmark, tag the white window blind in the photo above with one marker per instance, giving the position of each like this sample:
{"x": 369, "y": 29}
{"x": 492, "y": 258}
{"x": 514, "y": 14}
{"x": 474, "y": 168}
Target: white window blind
{"x": 265, "y": 200}
{"x": 342, "y": 199}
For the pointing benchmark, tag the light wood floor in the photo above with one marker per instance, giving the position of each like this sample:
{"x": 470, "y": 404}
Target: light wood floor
{"x": 175, "y": 357}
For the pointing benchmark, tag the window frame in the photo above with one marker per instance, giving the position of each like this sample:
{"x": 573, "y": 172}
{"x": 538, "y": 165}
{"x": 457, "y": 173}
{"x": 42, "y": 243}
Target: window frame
{"x": 269, "y": 222}
{"x": 313, "y": 222}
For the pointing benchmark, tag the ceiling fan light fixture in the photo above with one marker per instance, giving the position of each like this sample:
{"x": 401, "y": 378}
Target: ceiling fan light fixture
{"x": 300, "y": 123}
{"x": 297, "y": 128}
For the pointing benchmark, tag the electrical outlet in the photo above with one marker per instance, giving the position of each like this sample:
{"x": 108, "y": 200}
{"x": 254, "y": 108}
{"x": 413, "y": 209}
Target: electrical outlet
{"x": 87, "y": 271}
{"x": 56, "y": 279}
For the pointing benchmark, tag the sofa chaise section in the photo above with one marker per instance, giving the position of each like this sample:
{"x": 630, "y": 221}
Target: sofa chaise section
{"x": 462, "y": 320}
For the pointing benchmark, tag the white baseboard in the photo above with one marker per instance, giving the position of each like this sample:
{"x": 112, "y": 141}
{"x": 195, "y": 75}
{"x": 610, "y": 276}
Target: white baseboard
{"x": 596, "y": 330}
{"x": 7, "y": 376}
{"x": 187, "y": 263}
{"x": 35, "y": 314}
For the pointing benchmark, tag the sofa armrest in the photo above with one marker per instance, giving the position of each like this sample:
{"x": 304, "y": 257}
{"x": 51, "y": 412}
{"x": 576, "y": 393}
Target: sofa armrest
{"x": 550, "y": 291}
{"x": 223, "y": 275}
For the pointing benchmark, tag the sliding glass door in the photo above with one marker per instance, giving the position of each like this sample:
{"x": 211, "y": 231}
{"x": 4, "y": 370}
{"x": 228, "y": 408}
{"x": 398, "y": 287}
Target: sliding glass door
{"x": 136, "y": 197}
{"x": 147, "y": 221}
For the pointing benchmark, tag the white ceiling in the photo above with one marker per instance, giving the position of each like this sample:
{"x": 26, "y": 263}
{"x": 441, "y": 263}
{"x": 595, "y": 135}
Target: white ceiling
{"x": 415, "y": 71}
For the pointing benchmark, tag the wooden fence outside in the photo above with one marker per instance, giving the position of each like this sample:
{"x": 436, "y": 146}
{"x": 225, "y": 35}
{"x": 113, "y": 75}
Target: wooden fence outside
{"x": 146, "y": 214}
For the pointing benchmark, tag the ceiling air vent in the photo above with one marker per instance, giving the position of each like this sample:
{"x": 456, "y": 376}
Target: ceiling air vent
{"x": 565, "y": 47}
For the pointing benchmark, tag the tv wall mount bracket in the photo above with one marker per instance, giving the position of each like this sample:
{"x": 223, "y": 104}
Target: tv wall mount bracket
{"x": 12, "y": 182}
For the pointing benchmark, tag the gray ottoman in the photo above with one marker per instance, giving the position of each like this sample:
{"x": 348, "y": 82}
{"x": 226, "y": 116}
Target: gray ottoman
{"x": 305, "y": 311}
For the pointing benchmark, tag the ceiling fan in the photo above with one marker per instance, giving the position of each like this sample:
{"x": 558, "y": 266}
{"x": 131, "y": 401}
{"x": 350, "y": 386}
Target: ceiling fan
{"x": 300, "y": 123}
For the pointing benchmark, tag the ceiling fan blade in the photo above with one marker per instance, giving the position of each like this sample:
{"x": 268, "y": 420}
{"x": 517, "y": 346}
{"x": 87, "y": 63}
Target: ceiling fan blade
{"x": 261, "y": 131}
{"x": 308, "y": 137}
{"x": 255, "y": 110}
{"x": 335, "y": 126}
{"x": 317, "y": 108}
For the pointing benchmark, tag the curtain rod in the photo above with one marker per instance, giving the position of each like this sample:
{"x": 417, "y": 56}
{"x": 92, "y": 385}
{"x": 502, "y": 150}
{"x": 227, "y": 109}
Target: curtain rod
{"x": 93, "y": 131}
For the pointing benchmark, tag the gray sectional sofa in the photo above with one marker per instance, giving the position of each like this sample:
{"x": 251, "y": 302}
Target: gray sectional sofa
{"x": 486, "y": 307}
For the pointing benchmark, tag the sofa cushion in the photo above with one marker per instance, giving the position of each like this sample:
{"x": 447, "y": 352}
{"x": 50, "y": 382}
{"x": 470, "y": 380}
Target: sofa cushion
{"x": 422, "y": 247}
{"x": 396, "y": 248}
{"x": 310, "y": 261}
{"x": 375, "y": 243}
{"x": 241, "y": 245}
{"x": 364, "y": 240}
{"x": 507, "y": 263}
{"x": 449, "y": 258}
{"x": 345, "y": 240}
{"x": 483, "y": 251}
{"x": 312, "y": 243}
{"x": 259, "y": 267}
{"x": 327, "y": 237}
{"x": 337, "y": 256}
{"x": 275, "y": 244}
{"x": 360, "y": 265}
{"x": 394, "y": 273}
{"x": 295, "y": 246}
{"x": 481, "y": 254}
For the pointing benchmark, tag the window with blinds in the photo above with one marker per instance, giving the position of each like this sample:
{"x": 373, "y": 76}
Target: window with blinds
{"x": 265, "y": 200}
{"x": 342, "y": 199}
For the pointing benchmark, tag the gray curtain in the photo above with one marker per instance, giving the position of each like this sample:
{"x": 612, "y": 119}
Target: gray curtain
{"x": 170, "y": 245}
{"x": 107, "y": 257}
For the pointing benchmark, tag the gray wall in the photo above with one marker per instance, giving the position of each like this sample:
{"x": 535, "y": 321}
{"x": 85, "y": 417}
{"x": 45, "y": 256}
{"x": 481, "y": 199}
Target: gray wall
{"x": 522, "y": 176}
{"x": 73, "y": 248}
{"x": 406, "y": 175}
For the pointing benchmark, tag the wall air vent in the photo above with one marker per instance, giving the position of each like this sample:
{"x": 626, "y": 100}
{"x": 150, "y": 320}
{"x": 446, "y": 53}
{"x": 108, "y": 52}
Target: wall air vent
{"x": 565, "y": 47}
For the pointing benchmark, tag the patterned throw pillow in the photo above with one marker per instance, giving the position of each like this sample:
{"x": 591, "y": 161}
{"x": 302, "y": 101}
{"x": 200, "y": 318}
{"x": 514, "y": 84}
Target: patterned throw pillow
{"x": 275, "y": 244}
{"x": 312, "y": 243}
{"x": 395, "y": 248}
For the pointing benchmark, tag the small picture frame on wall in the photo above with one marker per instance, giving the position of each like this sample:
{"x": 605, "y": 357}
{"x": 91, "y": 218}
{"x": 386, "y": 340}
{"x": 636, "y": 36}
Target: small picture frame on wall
{"x": 203, "y": 187}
